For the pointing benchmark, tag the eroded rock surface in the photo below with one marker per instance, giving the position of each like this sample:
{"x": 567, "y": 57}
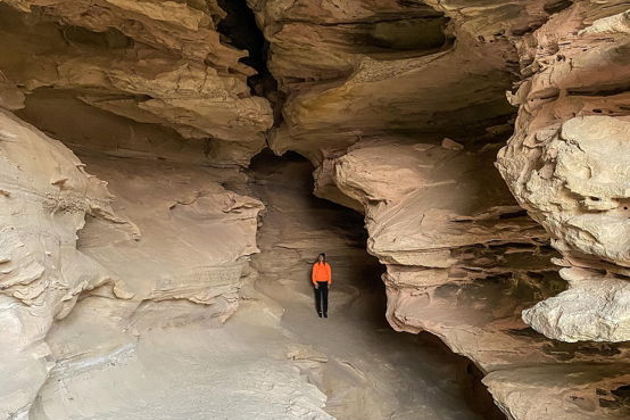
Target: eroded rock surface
{"x": 367, "y": 68}
{"x": 350, "y": 355}
{"x": 193, "y": 239}
{"x": 152, "y": 62}
{"x": 377, "y": 113}
{"x": 402, "y": 108}
{"x": 463, "y": 261}
{"x": 169, "y": 360}
{"x": 190, "y": 242}
{"x": 46, "y": 194}
{"x": 567, "y": 164}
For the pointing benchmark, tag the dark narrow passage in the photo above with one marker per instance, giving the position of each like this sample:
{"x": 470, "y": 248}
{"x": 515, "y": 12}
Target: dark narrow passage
{"x": 308, "y": 225}
{"x": 240, "y": 30}
{"x": 371, "y": 371}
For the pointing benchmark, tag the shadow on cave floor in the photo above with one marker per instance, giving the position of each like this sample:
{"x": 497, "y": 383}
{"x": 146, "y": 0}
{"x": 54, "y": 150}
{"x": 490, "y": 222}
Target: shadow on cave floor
{"x": 366, "y": 369}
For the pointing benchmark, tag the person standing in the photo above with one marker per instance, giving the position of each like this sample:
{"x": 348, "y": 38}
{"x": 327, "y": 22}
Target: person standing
{"x": 321, "y": 276}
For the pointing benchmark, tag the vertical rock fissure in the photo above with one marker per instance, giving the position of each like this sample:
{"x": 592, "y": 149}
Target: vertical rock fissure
{"x": 240, "y": 29}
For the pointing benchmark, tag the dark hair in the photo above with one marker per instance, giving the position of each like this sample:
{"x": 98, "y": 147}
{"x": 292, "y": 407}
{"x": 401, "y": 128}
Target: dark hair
{"x": 323, "y": 255}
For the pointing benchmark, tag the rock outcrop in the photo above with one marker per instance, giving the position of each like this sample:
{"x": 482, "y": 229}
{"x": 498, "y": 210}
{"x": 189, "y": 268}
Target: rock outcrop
{"x": 46, "y": 194}
{"x": 463, "y": 261}
{"x": 351, "y": 354}
{"x": 567, "y": 164}
{"x": 372, "y": 68}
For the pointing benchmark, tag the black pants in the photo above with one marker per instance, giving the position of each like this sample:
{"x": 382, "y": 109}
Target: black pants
{"x": 321, "y": 297}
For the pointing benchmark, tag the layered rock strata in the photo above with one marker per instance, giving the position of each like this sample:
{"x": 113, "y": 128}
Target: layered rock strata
{"x": 65, "y": 235}
{"x": 372, "y": 92}
{"x": 567, "y": 164}
{"x": 46, "y": 194}
{"x": 350, "y": 355}
{"x": 151, "y": 62}
{"x": 463, "y": 261}
{"x": 372, "y": 68}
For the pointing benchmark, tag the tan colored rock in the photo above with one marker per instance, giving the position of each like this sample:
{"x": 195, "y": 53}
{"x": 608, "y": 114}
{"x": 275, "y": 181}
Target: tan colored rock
{"x": 567, "y": 164}
{"x": 191, "y": 241}
{"x": 156, "y": 81}
{"x": 186, "y": 28}
{"x": 425, "y": 231}
{"x": 594, "y": 308}
{"x": 388, "y": 68}
{"x": 577, "y": 392}
{"x": 11, "y": 97}
{"x": 401, "y": 105}
{"x": 463, "y": 261}
{"x": 46, "y": 194}
{"x": 367, "y": 370}
{"x": 56, "y": 112}
{"x": 410, "y": 95}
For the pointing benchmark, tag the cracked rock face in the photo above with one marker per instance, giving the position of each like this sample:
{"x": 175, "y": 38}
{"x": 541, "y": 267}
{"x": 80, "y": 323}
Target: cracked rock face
{"x": 463, "y": 262}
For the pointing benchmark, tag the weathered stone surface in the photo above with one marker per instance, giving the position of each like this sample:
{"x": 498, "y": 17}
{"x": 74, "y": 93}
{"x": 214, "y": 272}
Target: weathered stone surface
{"x": 151, "y": 62}
{"x": 463, "y": 261}
{"x": 190, "y": 242}
{"x": 567, "y": 164}
{"x": 365, "y": 68}
{"x": 168, "y": 360}
{"x": 450, "y": 227}
{"x": 570, "y": 391}
{"x": 187, "y": 28}
{"x": 401, "y": 106}
{"x": 56, "y": 112}
{"x": 594, "y": 308}
{"x": 46, "y": 193}
{"x": 295, "y": 229}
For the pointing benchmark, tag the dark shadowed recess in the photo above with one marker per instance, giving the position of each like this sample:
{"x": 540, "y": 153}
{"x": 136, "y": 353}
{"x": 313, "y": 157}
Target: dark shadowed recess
{"x": 239, "y": 29}
{"x": 556, "y": 6}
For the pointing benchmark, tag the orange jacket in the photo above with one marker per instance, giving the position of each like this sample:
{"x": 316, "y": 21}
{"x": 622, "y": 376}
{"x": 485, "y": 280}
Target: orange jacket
{"x": 321, "y": 272}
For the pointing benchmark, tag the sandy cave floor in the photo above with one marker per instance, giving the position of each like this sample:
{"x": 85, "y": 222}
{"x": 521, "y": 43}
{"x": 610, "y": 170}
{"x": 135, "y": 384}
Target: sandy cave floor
{"x": 274, "y": 358}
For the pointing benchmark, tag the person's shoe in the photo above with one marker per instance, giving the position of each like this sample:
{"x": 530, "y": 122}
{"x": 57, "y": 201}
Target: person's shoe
{"x": 320, "y": 314}
{"x": 325, "y": 315}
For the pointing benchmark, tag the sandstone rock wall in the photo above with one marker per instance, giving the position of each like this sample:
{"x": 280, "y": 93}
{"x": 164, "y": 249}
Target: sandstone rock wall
{"x": 463, "y": 261}
{"x": 65, "y": 235}
{"x": 366, "y": 68}
{"x": 151, "y": 62}
{"x": 376, "y": 113}
{"x": 192, "y": 241}
{"x": 131, "y": 79}
{"x": 46, "y": 193}
{"x": 567, "y": 164}
{"x": 401, "y": 106}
